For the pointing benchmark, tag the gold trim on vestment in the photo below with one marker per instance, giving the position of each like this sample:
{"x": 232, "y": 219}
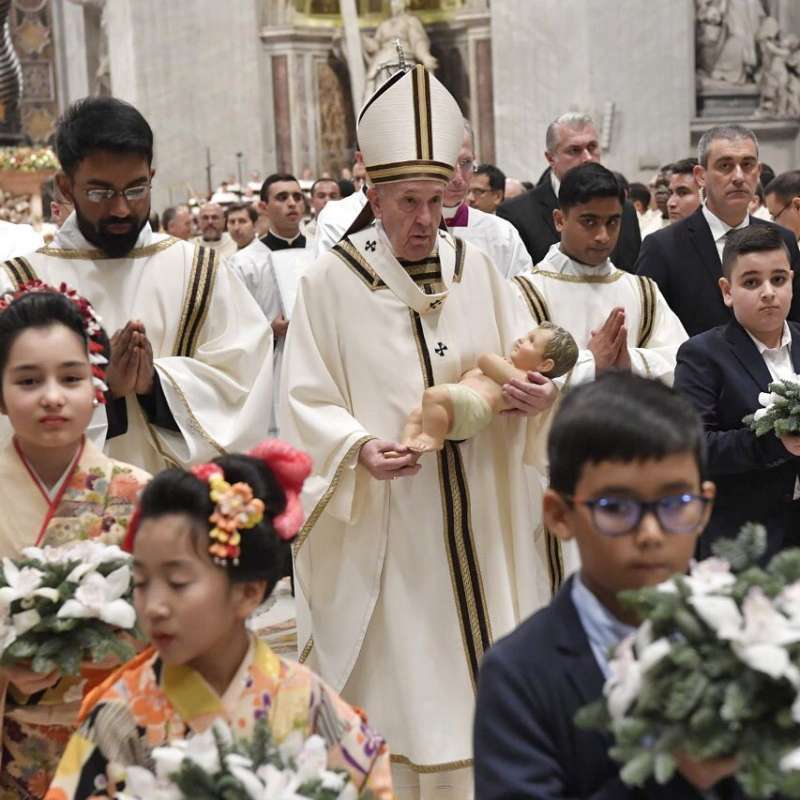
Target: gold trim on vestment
{"x": 99, "y": 255}
{"x": 196, "y": 301}
{"x": 348, "y": 253}
{"x": 647, "y": 370}
{"x": 416, "y": 170}
{"x": 428, "y": 768}
{"x": 19, "y": 271}
{"x": 306, "y": 652}
{"x": 612, "y": 278}
{"x": 648, "y": 294}
{"x": 533, "y": 299}
{"x": 195, "y": 422}
{"x": 326, "y": 497}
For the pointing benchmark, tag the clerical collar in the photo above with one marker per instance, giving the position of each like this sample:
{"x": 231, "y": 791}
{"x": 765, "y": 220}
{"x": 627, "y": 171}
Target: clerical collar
{"x": 459, "y": 218}
{"x": 69, "y": 236}
{"x": 557, "y": 260}
{"x": 275, "y": 242}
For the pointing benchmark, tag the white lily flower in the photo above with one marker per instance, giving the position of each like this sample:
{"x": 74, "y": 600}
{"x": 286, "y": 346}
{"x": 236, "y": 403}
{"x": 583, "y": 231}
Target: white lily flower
{"x": 791, "y": 761}
{"x": 721, "y": 614}
{"x": 312, "y": 760}
{"x": 141, "y": 784}
{"x": 202, "y": 749}
{"x": 710, "y": 576}
{"x": 291, "y": 747}
{"x": 668, "y": 586}
{"x": 169, "y": 758}
{"x": 789, "y": 601}
{"x": 760, "y": 414}
{"x": 333, "y": 781}
{"x": 278, "y": 785}
{"x": 625, "y": 681}
{"x": 252, "y": 785}
{"x": 8, "y": 633}
{"x": 348, "y": 793}
{"x": 100, "y": 597}
{"x": 26, "y": 620}
{"x": 22, "y": 583}
{"x": 653, "y": 653}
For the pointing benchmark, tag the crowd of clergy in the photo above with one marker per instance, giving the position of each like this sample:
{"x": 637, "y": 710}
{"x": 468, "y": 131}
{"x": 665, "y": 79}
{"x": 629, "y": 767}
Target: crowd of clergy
{"x": 320, "y": 313}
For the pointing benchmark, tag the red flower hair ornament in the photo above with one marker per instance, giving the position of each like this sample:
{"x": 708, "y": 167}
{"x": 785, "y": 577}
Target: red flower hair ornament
{"x": 91, "y": 327}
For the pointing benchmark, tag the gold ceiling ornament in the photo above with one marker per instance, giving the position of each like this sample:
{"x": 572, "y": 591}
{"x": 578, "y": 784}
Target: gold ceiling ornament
{"x": 38, "y": 123}
{"x": 31, "y": 36}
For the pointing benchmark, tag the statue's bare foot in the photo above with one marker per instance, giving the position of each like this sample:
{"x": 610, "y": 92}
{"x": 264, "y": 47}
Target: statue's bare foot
{"x": 424, "y": 443}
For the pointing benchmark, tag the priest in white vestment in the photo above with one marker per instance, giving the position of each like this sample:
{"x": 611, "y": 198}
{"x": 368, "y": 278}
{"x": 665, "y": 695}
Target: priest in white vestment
{"x": 190, "y": 375}
{"x": 407, "y": 570}
{"x": 619, "y": 320}
{"x": 17, "y": 239}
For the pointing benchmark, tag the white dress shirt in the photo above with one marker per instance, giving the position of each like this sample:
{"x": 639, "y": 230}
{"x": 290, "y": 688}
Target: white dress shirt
{"x": 719, "y": 229}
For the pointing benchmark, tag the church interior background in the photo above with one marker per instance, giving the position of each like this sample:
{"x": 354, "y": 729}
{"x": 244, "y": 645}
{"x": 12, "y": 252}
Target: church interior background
{"x": 252, "y": 86}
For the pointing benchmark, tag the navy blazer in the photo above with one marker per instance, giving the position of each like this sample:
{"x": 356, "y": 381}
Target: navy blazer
{"x": 722, "y": 373}
{"x": 532, "y": 215}
{"x": 527, "y": 746}
{"x": 683, "y": 260}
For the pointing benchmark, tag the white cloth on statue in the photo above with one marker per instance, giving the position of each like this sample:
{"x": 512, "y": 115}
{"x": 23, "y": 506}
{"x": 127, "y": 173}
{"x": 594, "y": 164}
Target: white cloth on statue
{"x": 364, "y": 342}
{"x": 498, "y": 238}
{"x": 220, "y": 395}
{"x": 336, "y": 218}
{"x": 580, "y": 298}
{"x": 17, "y": 239}
{"x": 719, "y": 228}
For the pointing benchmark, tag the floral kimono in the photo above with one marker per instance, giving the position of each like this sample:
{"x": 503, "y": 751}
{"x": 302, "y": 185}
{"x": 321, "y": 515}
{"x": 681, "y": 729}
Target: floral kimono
{"x": 148, "y": 703}
{"x": 93, "y": 500}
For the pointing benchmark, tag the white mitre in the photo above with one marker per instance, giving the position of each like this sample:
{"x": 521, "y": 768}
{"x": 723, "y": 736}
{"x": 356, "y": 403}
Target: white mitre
{"x": 410, "y": 129}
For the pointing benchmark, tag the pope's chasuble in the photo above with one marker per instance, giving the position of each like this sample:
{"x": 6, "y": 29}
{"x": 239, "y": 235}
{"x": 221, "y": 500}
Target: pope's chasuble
{"x": 402, "y": 585}
{"x": 580, "y": 298}
{"x": 93, "y": 500}
{"x": 212, "y": 347}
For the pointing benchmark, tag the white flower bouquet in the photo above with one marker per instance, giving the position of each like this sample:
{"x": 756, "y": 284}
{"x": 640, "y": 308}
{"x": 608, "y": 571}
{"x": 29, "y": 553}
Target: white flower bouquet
{"x": 60, "y": 606}
{"x": 215, "y": 766}
{"x": 713, "y": 671}
{"x": 780, "y": 410}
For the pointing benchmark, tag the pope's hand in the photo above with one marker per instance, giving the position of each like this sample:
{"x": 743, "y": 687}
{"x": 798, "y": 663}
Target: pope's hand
{"x": 386, "y": 460}
{"x": 792, "y": 444}
{"x": 530, "y": 397}
{"x": 705, "y": 774}
{"x": 27, "y": 681}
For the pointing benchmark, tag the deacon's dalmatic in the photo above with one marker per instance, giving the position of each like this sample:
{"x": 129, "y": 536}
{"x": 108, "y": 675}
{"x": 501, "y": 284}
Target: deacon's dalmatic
{"x": 212, "y": 348}
{"x": 403, "y": 584}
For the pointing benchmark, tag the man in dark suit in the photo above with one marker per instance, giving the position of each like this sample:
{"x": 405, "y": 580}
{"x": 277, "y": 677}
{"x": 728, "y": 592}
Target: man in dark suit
{"x": 571, "y": 140}
{"x": 532, "y": 683}
{"x": 684, "y": 258}
{"x": 722, "y": 371}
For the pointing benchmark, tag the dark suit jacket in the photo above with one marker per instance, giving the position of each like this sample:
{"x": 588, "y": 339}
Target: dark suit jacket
{"x": 683, "y": 260}
{"x": 532, "y": 215}
{"x": 722, "y": 373}
{"x": 527, "y": 747}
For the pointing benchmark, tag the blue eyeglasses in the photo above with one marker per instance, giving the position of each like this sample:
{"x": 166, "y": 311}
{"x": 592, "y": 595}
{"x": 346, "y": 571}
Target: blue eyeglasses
{"x": 619, "y": 516}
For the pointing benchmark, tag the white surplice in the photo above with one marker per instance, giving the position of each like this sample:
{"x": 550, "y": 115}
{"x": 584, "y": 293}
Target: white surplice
{"x": 217, "y": 380}
{"x": 580, "y": 298}
{"x": 335, "y": 219}
{"x": 17, "y": 239}
{"x": 402, "y": 585}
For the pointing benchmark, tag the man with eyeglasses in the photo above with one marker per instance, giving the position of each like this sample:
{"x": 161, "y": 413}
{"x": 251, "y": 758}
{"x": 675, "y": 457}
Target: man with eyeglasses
{"x": 571, "y": 139}
{"x": 782, "y": 197}
{"x": 191, "y": 354}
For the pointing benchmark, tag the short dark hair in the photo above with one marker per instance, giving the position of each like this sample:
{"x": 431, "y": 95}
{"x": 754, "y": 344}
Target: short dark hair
{"x": 586, "y": 182}
{"x": 685, "y": 166}
{"x": 248, "y": 207}
{"x": 639, "y": 192}
{"x": 767, "y": 174}
{"x": 496, "y": 176}
{"x": 275, "y": 178}
{"x": 321, "y": 180}
{"x": 786, "y": 185}
{"x": 623, "y": 182}
{"x": 168, "y": 215}
{"x": 528, "y": 185}
{"x": 101, "y": 123}
{"x": 346, "y": 187}
{"x": 752, "y": 239}
{"x": 621, "y": 417}
{"x": 41, "y": 310}
{"x": 264, "y": 555}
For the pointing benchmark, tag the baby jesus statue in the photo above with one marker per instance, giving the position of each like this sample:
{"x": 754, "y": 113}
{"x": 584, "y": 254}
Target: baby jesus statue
{"x": 458, "y": 411}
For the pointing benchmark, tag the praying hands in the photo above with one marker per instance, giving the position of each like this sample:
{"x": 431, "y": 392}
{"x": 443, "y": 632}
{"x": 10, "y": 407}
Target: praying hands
{"x": 131, "y": 367}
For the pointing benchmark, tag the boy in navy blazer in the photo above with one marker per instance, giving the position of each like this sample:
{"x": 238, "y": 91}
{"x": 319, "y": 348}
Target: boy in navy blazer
{"x": 626, "y": 482}
{"x": 722, "y": 371}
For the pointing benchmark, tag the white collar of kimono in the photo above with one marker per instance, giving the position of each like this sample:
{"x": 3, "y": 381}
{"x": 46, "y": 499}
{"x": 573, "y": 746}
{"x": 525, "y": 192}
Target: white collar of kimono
{"x": 375, "y": 248}
{"x": 558, "y": 261}
{"x": 69, "y": 236}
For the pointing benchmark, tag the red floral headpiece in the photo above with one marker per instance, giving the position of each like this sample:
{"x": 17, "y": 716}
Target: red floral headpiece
{"x": 91, "y": 326}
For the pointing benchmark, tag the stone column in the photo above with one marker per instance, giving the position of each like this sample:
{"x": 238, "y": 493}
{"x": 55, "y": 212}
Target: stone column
{"x": 553, "y": 56}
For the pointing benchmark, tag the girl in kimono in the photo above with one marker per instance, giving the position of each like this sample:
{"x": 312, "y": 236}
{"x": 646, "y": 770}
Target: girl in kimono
{"x": 208, "y": 549}
{"x": 55, "y": 487}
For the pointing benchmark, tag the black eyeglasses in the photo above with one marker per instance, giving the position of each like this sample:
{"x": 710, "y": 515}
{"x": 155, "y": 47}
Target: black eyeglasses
{"x": 619, "y": 516}
{"x": 776, "y": 217}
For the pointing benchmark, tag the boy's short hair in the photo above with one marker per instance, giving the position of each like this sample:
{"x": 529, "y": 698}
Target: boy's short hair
{"x": 276, "y": 177}
{"x": 621, "y": 417}
{"x": 586, "y": 182}
{"x": 561, "y": 348}
{"x": 684, "y": 166}
{"x": 752, "y": 239}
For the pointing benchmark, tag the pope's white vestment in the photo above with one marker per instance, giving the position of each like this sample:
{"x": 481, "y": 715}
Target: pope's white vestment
{"x": 580, "y": 298}
{"x": 402, "y": 585}
{"x": 212, "y": 346}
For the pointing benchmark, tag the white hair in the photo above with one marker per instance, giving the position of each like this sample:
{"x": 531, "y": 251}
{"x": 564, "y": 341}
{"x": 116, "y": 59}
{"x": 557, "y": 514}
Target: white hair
{"x": 577, "y": 120}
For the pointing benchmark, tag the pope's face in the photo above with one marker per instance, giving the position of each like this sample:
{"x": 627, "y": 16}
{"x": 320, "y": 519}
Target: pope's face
{"x": 410, "y": 212}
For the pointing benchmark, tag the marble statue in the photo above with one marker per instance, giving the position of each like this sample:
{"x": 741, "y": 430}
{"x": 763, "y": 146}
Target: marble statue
{"x": 101, "y": 84}
{"x": 727, "y": 33}
{"x": 380, "y": 51}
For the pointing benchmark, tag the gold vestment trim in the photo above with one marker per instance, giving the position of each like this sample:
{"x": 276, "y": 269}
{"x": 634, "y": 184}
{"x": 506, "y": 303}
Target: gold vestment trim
{"x": 428, "y": 768}
{"x": 306, "y": 652}
{"x": 613, "y": 278}
{"x": 100, "y": 255}
{"x": 534, "y": 300}
{"x": 648, "y": 294}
